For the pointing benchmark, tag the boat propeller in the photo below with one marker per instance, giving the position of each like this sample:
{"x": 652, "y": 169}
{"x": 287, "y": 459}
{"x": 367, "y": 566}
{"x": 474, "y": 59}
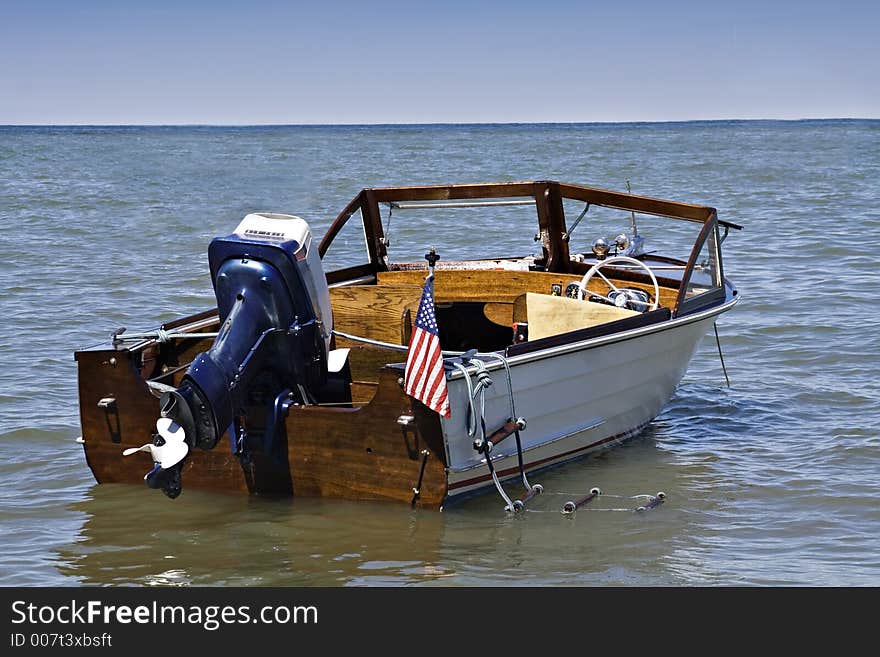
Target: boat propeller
{"x": 168, "y": 449}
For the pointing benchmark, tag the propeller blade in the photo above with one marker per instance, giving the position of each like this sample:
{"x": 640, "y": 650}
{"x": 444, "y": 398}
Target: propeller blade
{"x": 172, "y": 451}
{"x": 135, "y": 450}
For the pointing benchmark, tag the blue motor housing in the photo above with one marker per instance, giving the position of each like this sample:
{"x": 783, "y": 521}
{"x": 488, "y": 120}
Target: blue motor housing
{"x": 275, "y": 326}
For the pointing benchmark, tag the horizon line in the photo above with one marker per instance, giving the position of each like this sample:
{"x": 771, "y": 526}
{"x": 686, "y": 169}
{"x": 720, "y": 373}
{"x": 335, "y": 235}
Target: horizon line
{"x": 425, "y": 123}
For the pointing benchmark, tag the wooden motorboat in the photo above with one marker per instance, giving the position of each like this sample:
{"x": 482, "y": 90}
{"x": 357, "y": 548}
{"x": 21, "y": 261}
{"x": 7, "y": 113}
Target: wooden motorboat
{"x": 297, "y": 382}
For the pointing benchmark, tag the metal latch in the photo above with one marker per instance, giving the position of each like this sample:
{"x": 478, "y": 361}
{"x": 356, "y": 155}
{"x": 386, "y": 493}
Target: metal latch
{"x": 408, "y": 423}
{"x": 111, "y": 415}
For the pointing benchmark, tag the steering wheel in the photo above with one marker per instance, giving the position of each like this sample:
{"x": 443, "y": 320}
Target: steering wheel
{"x": 595, "y": 269}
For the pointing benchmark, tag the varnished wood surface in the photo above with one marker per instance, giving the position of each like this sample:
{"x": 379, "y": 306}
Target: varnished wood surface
{"x": 593, "y": 195}
{"x": 479, "y": 285}
{"x": 366, "y": 361}
{"x": 359, "y": 453}
{"x": 646, "y": 204}
{"x": 362, "y": 392}
{"x": 505, "y": 286}
{"x": 137, "y": 411}
{"x": 374, "y": 311}
{"x": 500, "y": 312}
{"x": 551, "y": 222}
{"x": 364, "y": 453}
{"x": 342, "y": 218}
{"x": 453, "y": 192}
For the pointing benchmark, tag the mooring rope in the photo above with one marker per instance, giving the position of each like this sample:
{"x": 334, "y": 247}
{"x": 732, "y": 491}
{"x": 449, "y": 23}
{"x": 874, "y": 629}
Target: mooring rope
{"x": 161, "y": 335}
{"x": 475, "y": 392}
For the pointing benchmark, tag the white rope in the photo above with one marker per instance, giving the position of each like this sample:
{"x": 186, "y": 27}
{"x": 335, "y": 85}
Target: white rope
{"x": 402, "y": 347}
{"x": 378, "y": 343}
{"x": 476, "y": 392}
{"x": 581, "y": 510}
{"x": 160, "y": 387}
{"x": 619, "y": 497}
{"x": 161, "y": 335}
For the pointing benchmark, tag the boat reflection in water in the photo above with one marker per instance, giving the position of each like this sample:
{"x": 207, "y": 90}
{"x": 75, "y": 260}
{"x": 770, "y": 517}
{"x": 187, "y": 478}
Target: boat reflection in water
{"x": 208, "y": 538}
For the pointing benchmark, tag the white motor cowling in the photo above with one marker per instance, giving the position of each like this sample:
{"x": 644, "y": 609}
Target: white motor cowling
{"x": 294, "y": 233}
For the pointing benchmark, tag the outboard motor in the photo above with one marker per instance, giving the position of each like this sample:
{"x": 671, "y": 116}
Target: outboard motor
{"x": 271, "y": 350}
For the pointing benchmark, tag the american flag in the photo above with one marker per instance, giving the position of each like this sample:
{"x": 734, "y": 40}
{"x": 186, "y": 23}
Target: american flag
{"x": 424, "y": 377}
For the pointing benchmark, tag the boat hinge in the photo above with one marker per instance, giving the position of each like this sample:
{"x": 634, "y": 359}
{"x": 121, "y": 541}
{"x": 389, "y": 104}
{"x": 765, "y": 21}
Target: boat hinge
{"x": 111, "y": 415}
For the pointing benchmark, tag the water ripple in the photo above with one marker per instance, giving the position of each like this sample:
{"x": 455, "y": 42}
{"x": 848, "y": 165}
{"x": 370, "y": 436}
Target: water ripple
{"x": 772, "y": 481}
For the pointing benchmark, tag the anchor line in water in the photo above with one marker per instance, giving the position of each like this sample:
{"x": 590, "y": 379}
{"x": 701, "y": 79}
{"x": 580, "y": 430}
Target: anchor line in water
{"x": 573, "y": 505}
{"x": 583, "y": 503}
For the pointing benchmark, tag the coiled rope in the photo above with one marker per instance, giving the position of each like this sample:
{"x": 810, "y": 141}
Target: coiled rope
{"x": 476, "y": 392}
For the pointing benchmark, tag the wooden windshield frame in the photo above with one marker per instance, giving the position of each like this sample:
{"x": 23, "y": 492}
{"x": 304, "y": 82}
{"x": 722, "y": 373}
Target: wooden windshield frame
{"x": 552, "y": 231}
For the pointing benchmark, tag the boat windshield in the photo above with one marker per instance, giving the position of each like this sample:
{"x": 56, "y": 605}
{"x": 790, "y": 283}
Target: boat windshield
{"x": 545, "y": 226}
{"x": 659, "y": 235}
{"x": 666, "y": 245}
{"x": 463, "y": 230}
{"x": 349, "y": 246}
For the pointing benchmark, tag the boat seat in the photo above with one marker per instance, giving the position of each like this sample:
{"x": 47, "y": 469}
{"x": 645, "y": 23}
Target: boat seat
{"x": 551, "y": 315}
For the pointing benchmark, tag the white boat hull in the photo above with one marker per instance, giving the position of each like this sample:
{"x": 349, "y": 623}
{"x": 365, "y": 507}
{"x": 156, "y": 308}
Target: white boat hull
{"x": 577, "y": 398}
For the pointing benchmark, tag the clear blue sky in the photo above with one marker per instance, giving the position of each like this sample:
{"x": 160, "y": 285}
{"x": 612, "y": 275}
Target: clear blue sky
{"x": 329, "y": 61}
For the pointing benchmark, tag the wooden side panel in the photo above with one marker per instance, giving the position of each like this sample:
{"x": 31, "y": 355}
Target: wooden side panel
{"x": 130, "y": 421}
{"x": 504, "y": 286}
{"x": 362, "y": 392}
{"x": 374, "y": 311}
{"x": 367, "y": 361}
{"x": 479, "y": 285}
{"x": 363, "y": 453}
{"x": 378, "y": 313}
{"x": 360, "y": 453}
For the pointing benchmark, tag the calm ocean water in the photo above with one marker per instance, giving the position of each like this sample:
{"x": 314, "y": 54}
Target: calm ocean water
{"x": 774, "y": 481}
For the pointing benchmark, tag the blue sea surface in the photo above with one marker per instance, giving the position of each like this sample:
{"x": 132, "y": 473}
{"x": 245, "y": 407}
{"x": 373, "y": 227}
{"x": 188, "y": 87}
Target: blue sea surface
{"x": 772, "y": 481}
